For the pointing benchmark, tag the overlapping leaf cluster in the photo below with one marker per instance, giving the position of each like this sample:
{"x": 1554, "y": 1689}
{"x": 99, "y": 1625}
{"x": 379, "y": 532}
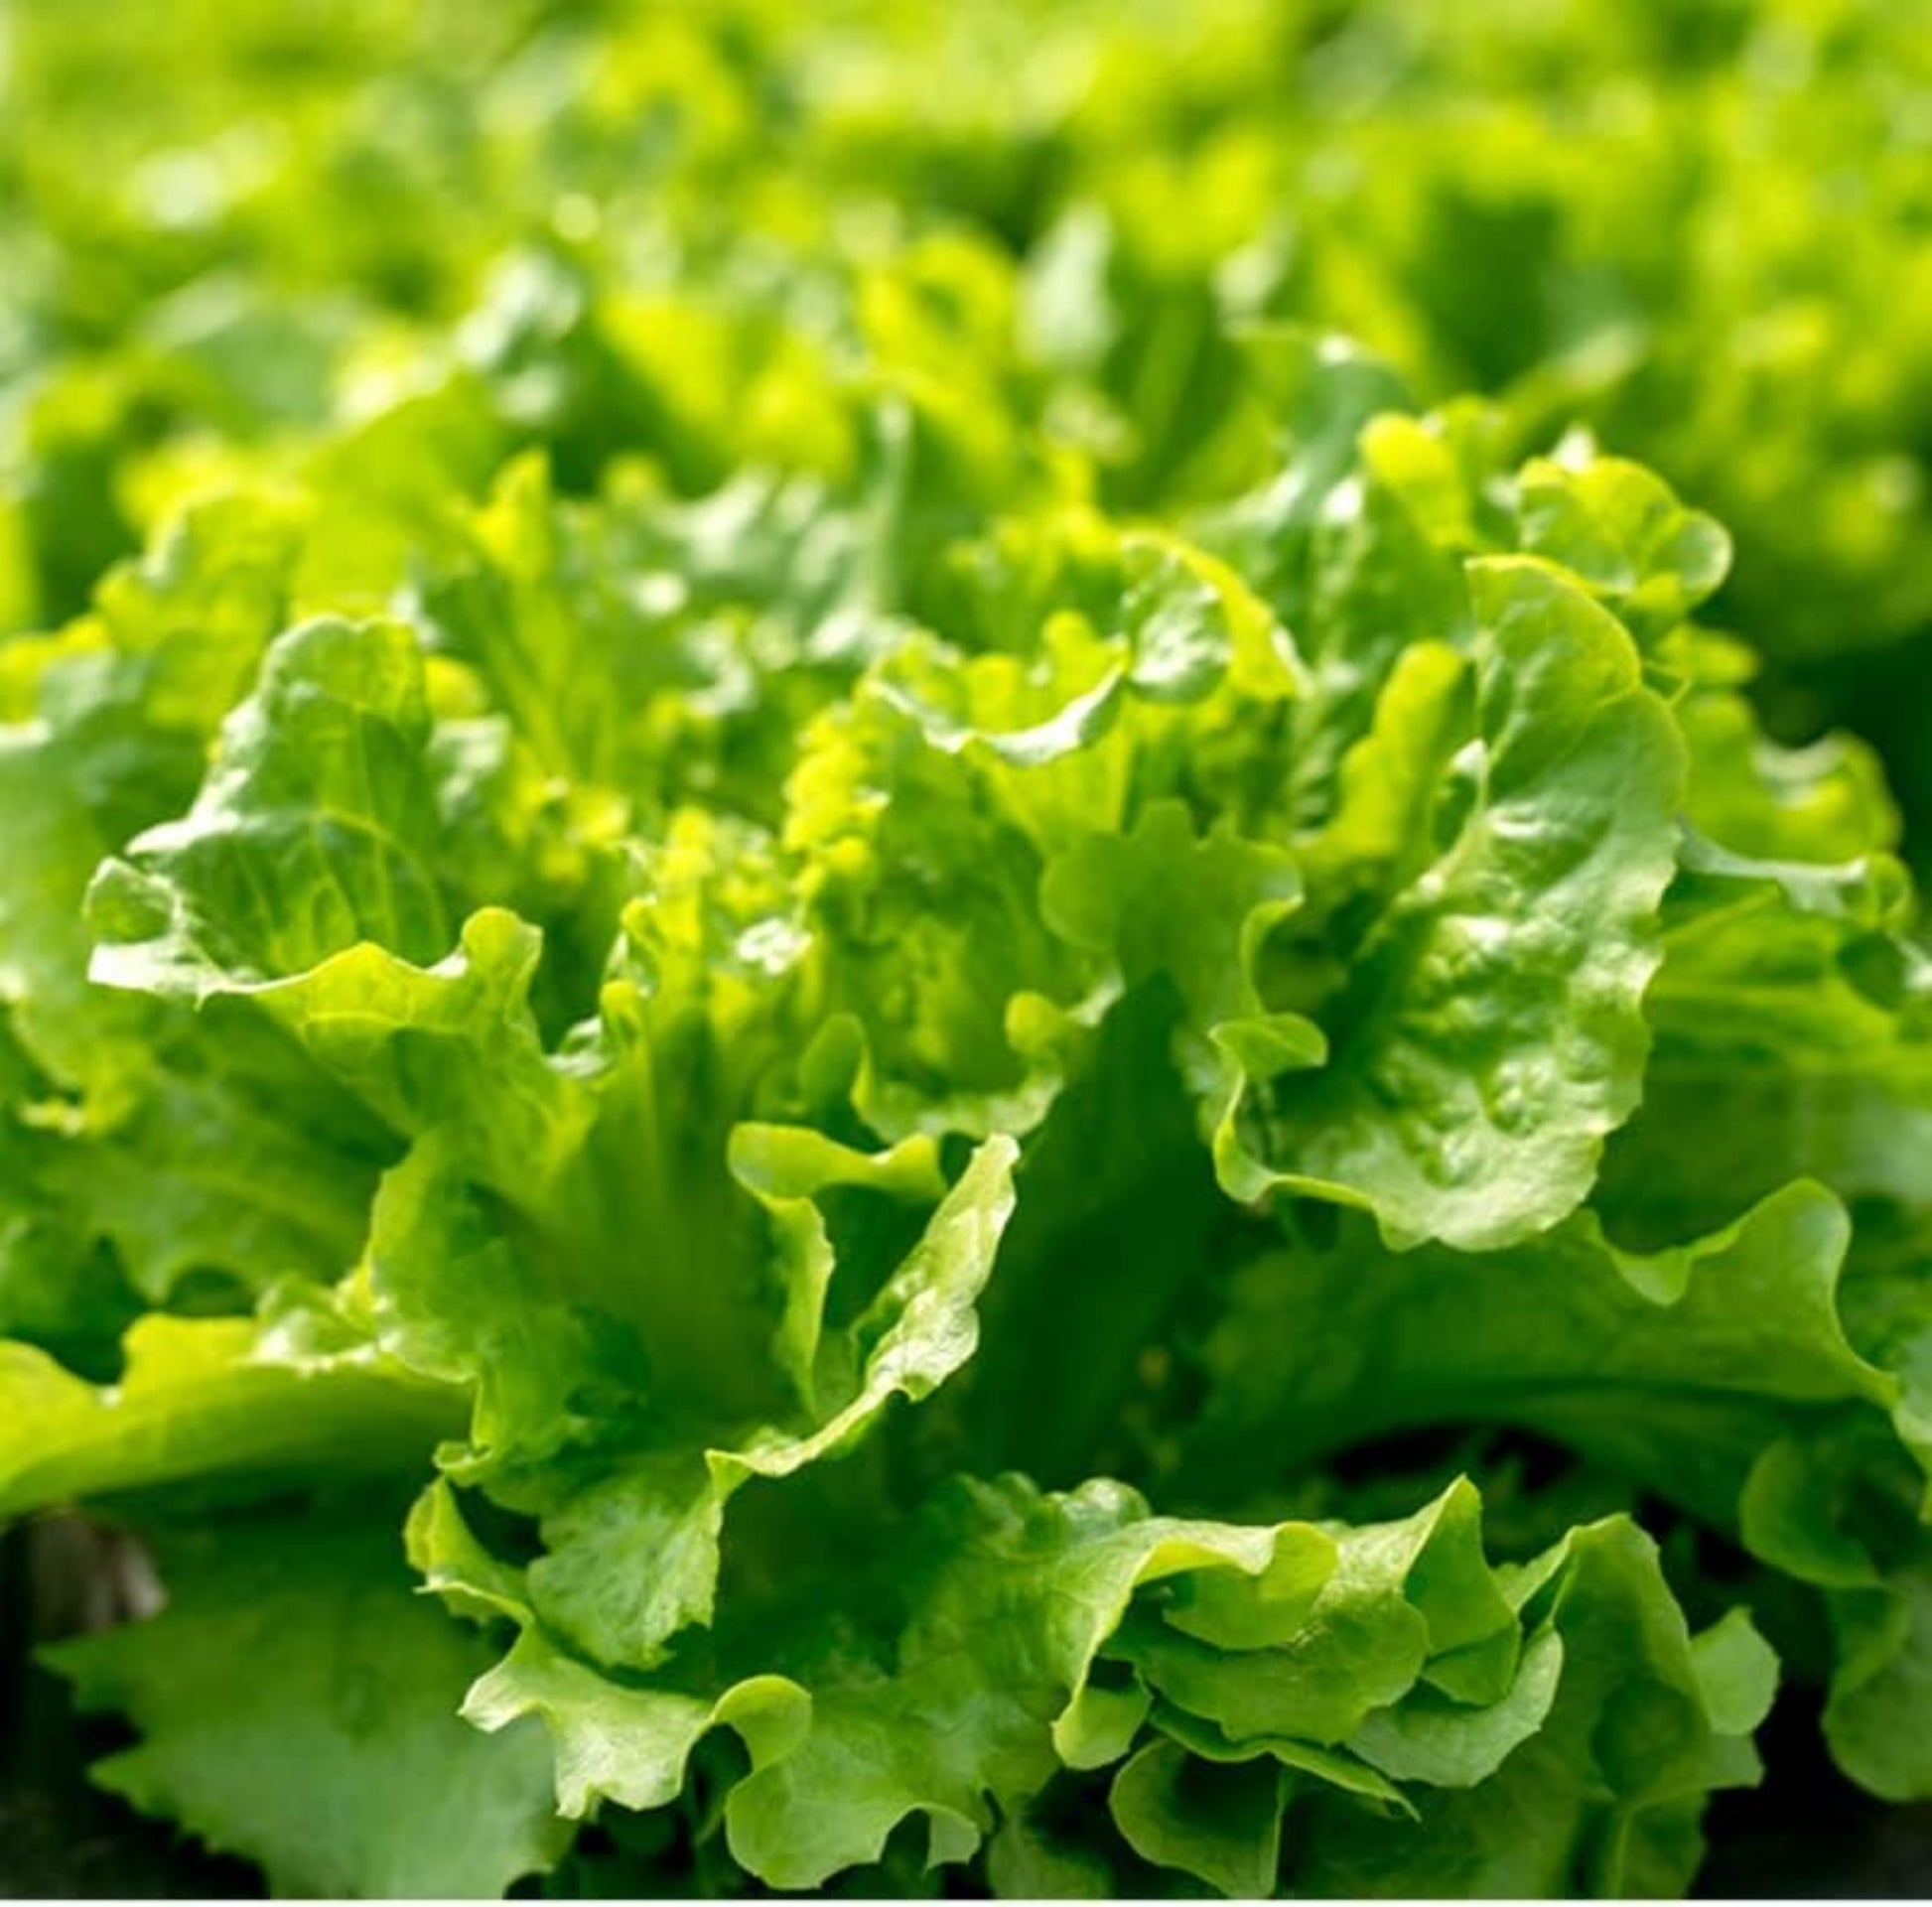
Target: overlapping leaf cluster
{"x": 841, "y": 1022}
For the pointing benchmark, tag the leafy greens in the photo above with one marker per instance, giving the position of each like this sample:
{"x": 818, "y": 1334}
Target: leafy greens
{"x": 853, "y": 1031}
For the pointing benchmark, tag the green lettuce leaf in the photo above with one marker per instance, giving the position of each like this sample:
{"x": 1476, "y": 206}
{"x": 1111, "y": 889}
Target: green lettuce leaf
{"x": 1718, "y": 1376}
{"x": 255, "y": 1406}
{"x": 296, "y": 1705}
{"x": 1487, "y": 1033}
{"x": 972, "y": 1682}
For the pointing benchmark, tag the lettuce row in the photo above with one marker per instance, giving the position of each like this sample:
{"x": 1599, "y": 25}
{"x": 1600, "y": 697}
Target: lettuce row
{"x": 1172, "y": 1004}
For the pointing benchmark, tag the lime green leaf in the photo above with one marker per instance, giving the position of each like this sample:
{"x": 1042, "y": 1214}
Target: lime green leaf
{"x": 1489, "y": 1033}
{"x": 218, "y": 1398}
{"x": 313, "y": 832}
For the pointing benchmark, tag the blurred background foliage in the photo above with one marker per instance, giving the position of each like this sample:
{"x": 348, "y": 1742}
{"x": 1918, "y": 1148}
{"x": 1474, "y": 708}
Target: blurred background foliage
{"x": 1699, "y": 228}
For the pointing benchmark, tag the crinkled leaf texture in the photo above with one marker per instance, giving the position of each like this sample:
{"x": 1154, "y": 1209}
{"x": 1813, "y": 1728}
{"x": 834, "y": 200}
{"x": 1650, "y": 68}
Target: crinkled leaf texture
{"x": 1490, "y": 1032}
{"x": 886, "y": 941}
{"x": 1384, "y": 1679}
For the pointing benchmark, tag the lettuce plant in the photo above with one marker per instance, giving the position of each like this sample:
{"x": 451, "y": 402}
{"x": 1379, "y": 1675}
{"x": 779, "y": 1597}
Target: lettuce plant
{"x": 849, "y": 1041}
